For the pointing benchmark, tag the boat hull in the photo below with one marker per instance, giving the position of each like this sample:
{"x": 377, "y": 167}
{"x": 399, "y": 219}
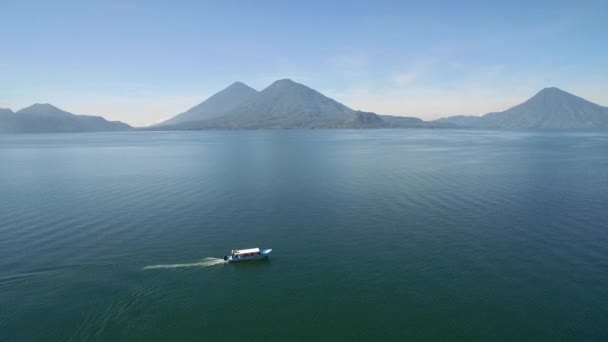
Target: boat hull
{"x": 255, "y": 257}
{"x": 262, "y": 255}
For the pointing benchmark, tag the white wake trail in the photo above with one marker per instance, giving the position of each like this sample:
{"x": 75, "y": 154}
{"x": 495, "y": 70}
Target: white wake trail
{"x": 206, "y": 262}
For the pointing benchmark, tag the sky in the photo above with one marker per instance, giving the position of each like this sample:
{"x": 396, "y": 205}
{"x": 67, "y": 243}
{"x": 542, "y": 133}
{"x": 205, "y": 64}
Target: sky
{"x": 144, "y": 61}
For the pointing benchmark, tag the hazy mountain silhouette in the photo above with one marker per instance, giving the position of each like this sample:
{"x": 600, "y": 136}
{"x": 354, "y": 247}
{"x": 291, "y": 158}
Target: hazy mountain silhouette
{"x": 45, "y": 118}
{"x": 551, "y": 108}
{"x": 286, "y": 104}
{"x": 412, "y": 122}
{"x": 218, "y": 104}
{"x": 461, "y": 120}
{"x": 5, "y": 112}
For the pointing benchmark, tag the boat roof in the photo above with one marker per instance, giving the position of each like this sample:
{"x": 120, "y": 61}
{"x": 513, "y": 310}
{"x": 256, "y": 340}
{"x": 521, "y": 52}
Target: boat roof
{"x": 244, "y": 251}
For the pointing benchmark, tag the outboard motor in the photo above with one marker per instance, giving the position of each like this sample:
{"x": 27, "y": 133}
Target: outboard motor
{"x": 225, "y": 258}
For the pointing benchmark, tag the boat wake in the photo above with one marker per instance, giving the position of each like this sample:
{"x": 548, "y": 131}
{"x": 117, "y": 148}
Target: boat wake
{"x": 206, "y": 262}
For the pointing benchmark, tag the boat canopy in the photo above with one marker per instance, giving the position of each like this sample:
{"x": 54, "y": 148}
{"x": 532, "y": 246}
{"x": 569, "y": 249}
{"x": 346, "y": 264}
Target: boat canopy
{"x": 245, "y": 251}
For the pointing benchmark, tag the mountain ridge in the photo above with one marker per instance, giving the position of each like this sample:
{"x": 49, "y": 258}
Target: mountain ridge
{"x": 46, "y": 118}
{"x": 550, "y": 108}
{"x": 286, "y": 104}
{"x": 217, "y": 104}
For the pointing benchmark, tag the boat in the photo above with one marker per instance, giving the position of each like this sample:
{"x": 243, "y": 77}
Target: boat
{"x": 247, "y": 254}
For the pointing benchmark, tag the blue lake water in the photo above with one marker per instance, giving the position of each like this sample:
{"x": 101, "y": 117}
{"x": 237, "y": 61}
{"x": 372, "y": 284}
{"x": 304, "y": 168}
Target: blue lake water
{"x": 376, "y": 235}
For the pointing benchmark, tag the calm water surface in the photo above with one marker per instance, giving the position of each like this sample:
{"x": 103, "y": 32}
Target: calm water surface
{"x": 377, "y": 235}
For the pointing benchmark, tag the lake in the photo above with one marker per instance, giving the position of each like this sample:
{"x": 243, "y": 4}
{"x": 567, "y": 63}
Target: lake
{"x": 376, "y": 235}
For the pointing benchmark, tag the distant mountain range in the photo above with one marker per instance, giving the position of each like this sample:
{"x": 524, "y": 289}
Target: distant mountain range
{"x": 551, "y": 108}
{"x": 286, "y": 104}
{"x": 45, "y": 118}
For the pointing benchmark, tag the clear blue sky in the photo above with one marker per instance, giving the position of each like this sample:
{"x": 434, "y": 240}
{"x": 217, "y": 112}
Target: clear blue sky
{"x": 144, "y": 61}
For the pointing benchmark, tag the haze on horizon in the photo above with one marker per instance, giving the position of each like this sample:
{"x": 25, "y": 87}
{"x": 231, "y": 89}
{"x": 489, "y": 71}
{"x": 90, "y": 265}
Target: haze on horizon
{"x": 143, "y": 62}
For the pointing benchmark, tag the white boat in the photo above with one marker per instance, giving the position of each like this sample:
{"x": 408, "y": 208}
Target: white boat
{"x": 247, "y": 254}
